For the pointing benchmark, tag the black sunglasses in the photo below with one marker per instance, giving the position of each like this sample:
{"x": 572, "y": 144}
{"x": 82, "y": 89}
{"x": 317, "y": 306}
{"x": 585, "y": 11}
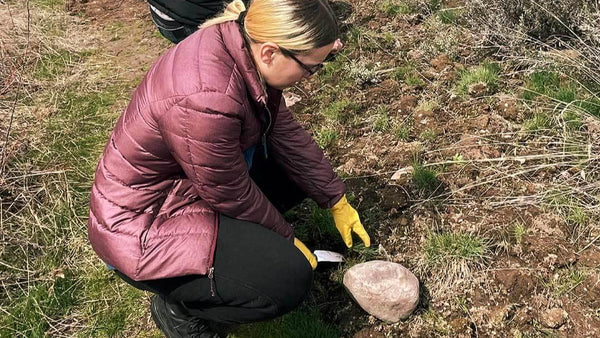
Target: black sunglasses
{"x": 311, "y": 70}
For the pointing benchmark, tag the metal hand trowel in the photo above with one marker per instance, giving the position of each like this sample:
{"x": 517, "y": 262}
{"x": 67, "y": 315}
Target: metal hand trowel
{"x": 328, "y": 256}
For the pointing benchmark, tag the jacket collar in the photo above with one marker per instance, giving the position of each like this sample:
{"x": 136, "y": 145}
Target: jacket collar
{"x": 241, "y": 54}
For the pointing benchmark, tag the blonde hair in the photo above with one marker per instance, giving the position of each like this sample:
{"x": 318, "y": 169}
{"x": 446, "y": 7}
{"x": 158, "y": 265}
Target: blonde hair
{"x": 295, "y": 25}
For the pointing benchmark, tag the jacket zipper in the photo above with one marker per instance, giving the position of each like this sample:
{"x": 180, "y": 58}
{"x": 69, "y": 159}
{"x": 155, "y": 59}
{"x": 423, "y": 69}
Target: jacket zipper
{"x": 211, "y": 277}
{"x": 264, "y": 135}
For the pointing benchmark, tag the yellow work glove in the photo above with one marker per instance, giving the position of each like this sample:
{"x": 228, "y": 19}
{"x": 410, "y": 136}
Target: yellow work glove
{"x": 347, "y": 221}
{"x": 309, "y": 256}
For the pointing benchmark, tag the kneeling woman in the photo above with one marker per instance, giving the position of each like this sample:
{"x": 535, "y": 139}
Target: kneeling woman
{"x": 188, "y": 195}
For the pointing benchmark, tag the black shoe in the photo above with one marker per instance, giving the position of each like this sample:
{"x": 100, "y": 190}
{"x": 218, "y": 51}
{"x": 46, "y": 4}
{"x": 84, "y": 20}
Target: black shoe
{"x": 174, "y": 323}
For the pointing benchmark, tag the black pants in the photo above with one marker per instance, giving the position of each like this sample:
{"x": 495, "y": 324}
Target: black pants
{"x": 258, "y": 274}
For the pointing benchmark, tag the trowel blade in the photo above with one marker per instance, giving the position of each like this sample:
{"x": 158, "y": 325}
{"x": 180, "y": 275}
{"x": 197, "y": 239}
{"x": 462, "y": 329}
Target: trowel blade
{"x": 328, "y": 256}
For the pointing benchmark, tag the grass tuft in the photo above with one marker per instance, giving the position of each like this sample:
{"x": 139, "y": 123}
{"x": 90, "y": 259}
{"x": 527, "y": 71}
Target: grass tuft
{"x": 326, "y": 136}
{"x": 394, "y": 7}
{"x": 407, "y": 74}
{"x": 539, "y": 122}
{"x": 341, "y": 111}
{"x": 486, "y": 74}
{"x": 519, "y": 232}
{"x": 446, "y": 247}
{"x": 425, "y": 179}
{"x": 450, "y": 257}
{"x": 381, "y": 119}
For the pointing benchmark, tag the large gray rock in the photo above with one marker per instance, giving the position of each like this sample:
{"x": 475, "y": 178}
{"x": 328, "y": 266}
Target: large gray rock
{"x": 386, "y": 290}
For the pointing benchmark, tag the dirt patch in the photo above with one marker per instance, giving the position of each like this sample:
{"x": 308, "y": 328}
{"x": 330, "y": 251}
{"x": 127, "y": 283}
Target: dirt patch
{"x": 103, "y": 11}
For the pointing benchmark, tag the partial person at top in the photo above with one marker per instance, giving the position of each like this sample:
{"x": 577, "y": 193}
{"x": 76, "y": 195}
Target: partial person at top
{"x": 177, "y": 19}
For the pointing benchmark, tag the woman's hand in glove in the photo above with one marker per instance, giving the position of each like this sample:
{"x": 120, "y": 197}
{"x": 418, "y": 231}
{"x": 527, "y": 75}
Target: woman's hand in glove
{"x": 347, "y": 221}
{"x": 309, "y": 256}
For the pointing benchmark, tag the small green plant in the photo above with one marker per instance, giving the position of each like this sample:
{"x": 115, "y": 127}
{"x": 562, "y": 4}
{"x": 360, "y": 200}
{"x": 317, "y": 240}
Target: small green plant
{"x": 435, "y": 323}
{"x": 519, "y": 232}
{"x": 591, "y": 105}
{"x": 458, "y": 159}
{"x": 361, "y": 38}
{"x": 333, "y": 68}
{"x": 447, "y": 16}
{"x": 389, "y": 39}
{"x": 486, "y": 74}
{"x": 428, "y": 135}
{"x": 326, "y": 136}
{"x": 424, "y": 179}
{"x": 341, "y": 110}
{"x": 394, "y": 7}
{"x": 364, "y": 253}
{"x": 577, "y": 217}
{"x": 565, "y": 95}
{"x": 401, "y": 131}
{"x": 565, "y": 281}
{"x": 408, "y": 75}
{"x": 434, "y": 5}
{"x": 381, "y": 119}
{"x": 428, "y": 105}
{"x": 538, "y": 122}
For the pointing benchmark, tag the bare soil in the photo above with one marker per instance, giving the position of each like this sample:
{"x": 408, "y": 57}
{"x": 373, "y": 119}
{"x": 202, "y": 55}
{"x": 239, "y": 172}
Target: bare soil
{"x": 519, "y": 284}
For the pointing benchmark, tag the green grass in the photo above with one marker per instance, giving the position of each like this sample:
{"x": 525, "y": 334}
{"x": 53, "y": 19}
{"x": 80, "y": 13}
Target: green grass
{"x": 564, "y": 282}
{"x": 360, "y": 38}
{"x": 297, "y": 324}
{"x": 539, "y": 122}
{"x": 389, "y": 40}
{"x": 49, "y": 3}
{"x": 326, "y": 136}
{"x": 341, "y": 111}
{"x": 28, "y": 314}
{"x": 55, "y": 64}
{"x": 407, "y": 74}
{"x": 542, "y": 83}
{"x": 313, "y": 224}
{"x": 572, "y": 120}
{"x": 447, "y": 16}
{"x": 434, "y": 5}
{"x": 519, "y": 232}
{"x": 381, "y": 119}
{"x": 486, "y": 73}
{"x": 111, "y": 320}
{"x": 425, "y": 179}
{"x": 55, "y": 285}
{"x": 333, "y": 68}
{"x": 441, "y": 248}
{"x": 428, "y": 135}
{"x": 401, "y": 131}
{"x": 394, "y": 7}
{"x": 552, "y": 85}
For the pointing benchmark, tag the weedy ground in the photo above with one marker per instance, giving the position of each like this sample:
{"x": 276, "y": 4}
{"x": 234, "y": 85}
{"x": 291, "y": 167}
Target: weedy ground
{"x": 494, "y": 121}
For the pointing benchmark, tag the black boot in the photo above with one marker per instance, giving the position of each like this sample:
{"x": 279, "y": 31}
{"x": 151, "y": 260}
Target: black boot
{"x": 174, "y": 321}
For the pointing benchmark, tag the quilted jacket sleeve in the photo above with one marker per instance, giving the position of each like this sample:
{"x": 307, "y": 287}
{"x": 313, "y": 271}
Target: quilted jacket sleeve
{"x": 300, "y": 156}
{"x": 206, "y": 145}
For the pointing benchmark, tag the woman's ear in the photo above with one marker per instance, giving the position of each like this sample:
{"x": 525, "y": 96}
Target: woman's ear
{"x": 267, "y": 52}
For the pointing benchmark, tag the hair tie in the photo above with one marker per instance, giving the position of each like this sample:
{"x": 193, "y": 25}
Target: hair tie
{"x": 241, "y": 18}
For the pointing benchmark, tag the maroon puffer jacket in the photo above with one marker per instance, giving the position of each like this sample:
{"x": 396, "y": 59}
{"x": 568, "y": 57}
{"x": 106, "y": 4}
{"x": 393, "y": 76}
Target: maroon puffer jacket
{"x": 175, "y": 159}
